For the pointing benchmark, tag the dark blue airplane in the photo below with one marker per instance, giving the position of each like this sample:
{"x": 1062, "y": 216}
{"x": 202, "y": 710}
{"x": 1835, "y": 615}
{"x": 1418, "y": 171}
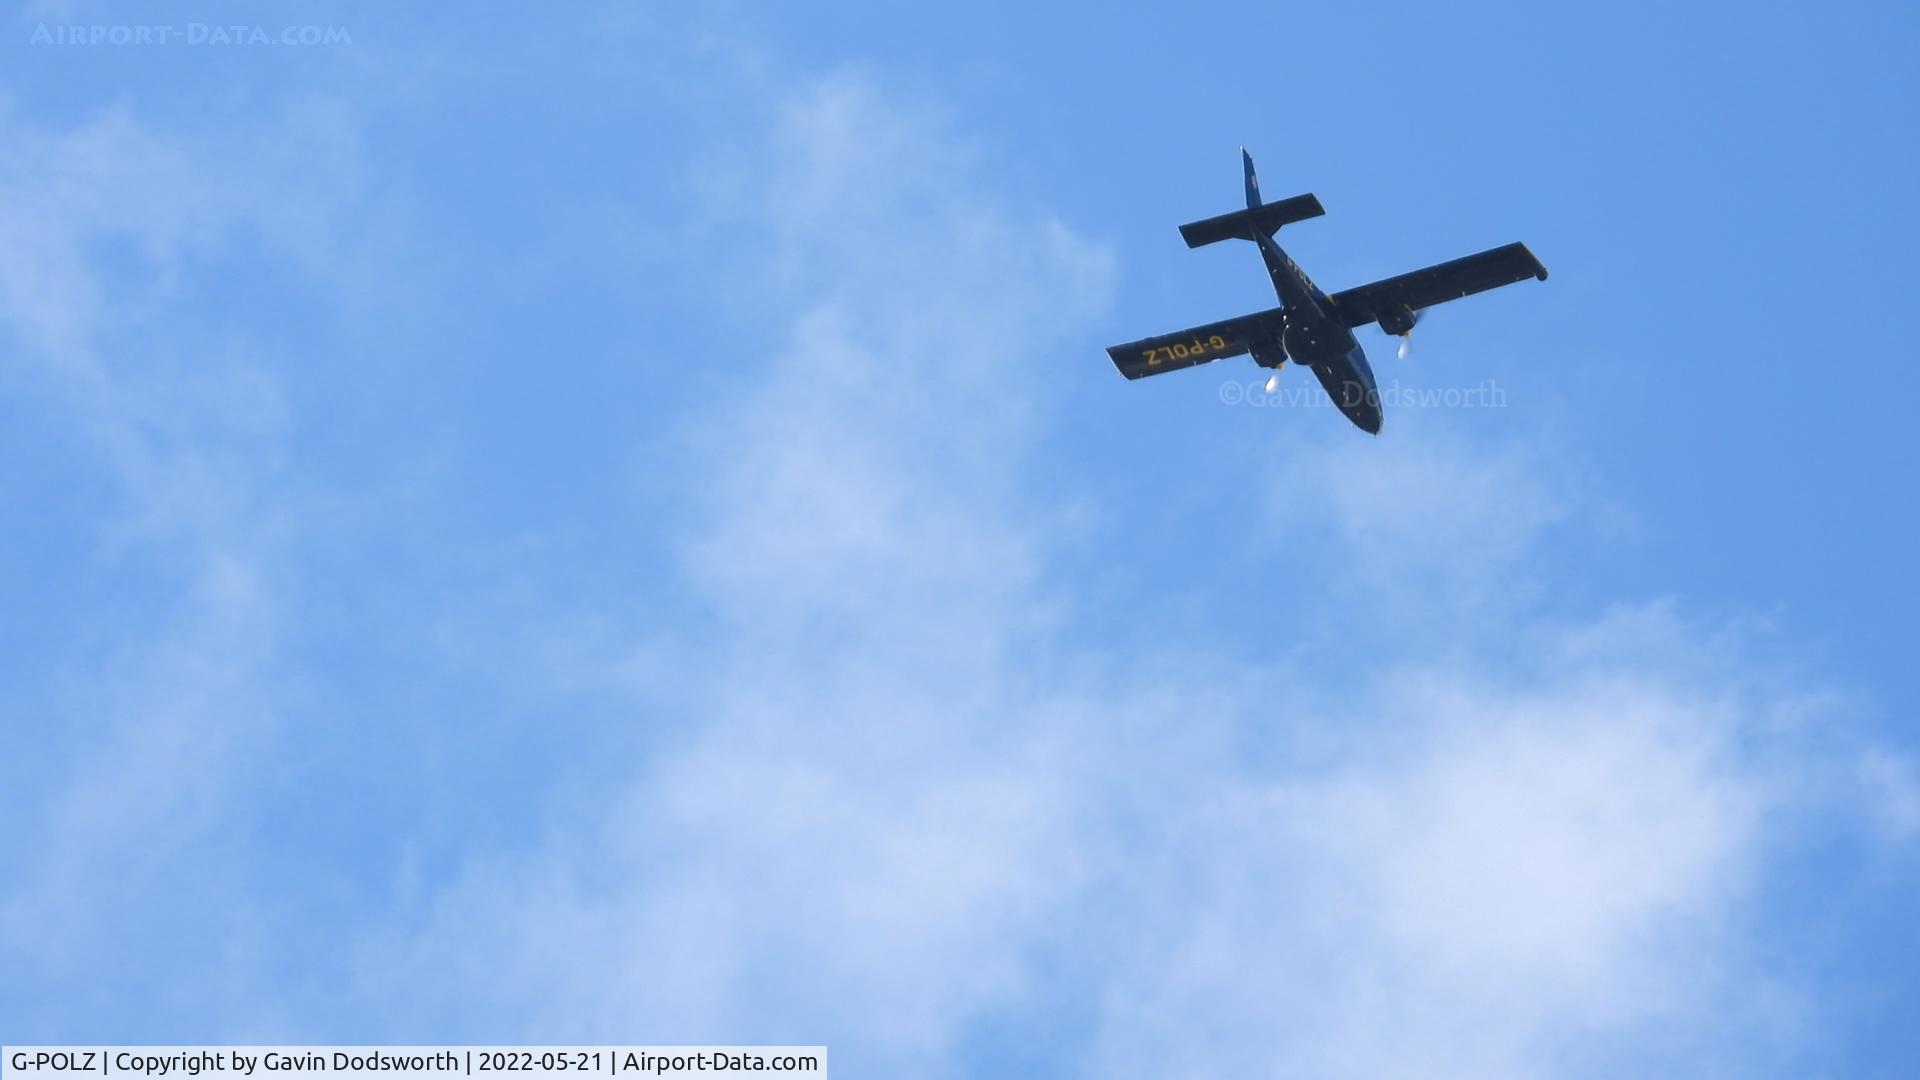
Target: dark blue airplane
{"x": 1309, "y": 327}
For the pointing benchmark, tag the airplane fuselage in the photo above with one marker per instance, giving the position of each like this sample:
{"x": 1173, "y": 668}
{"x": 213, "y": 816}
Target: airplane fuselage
{"x": 1314, "y": 338}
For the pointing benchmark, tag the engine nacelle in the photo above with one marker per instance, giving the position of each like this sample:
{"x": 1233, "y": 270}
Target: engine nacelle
{"x": 1396, "y": 319}
{"x": 1267, "y": 352}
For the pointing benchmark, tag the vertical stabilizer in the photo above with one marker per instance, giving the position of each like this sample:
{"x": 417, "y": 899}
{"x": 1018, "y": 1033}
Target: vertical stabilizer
{"x": 1253, "y": 182}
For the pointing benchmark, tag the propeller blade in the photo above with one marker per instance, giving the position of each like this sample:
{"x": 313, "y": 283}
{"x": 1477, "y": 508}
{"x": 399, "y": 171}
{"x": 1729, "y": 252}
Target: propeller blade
{"x": 1406, "y": 339}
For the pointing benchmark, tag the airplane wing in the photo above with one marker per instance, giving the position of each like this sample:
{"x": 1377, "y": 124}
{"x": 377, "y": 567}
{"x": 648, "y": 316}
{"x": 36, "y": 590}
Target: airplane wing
{"x": 1200, "y": 345}
{"x": 1439, "y": 283}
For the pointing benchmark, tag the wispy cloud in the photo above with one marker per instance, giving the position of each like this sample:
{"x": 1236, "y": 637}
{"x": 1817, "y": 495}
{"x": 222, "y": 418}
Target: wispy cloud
{"x": 892, "y": 787}
{"x": 148, "y": 708}
{"x": 910, "y": 798}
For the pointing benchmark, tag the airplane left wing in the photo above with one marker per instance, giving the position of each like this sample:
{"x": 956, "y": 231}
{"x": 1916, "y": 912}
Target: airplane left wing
{"x": 1437, "y": 284}
{"x": 1258, "y": 333}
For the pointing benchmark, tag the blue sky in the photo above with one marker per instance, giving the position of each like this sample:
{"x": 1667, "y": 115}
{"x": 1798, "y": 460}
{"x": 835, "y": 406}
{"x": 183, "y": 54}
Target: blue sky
{"x": 619, "y": 526}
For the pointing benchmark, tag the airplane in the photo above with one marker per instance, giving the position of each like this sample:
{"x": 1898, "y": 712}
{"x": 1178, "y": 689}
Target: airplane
{"x": 1311, "y": 328}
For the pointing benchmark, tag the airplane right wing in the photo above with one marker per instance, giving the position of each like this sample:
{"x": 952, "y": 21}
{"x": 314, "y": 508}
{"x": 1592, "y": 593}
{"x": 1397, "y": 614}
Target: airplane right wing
{"x": 1439, "y": 283}
{"x": 1258, "y": 333}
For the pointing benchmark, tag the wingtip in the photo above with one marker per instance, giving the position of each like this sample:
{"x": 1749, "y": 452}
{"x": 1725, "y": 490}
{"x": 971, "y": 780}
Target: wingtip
{"x": 1539, "y": 268}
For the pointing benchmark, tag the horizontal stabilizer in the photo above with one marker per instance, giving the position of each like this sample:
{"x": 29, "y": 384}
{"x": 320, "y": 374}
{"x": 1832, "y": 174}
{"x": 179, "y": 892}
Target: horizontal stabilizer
{"x": 1241, "y": 224}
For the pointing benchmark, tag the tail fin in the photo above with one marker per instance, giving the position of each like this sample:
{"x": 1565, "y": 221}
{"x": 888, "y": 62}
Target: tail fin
{"x": 1258, "y": 219}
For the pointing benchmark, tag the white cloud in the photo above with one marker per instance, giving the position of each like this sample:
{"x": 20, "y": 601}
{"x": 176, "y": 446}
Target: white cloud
{"x": 898, "y": 789}
{"x": 888, "y": 796}
{"x": 151, "y": 721}
{"x": 1490, "y": 878}
{"x": 1892, "y": 792}
{"x": 802, "y": 861}
{"x": 1436, "y": 532}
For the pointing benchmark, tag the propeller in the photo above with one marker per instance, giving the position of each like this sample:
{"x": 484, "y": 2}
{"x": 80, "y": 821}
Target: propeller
{"x": 1273, "y": 382}
{"x": 1401, "y": 325}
